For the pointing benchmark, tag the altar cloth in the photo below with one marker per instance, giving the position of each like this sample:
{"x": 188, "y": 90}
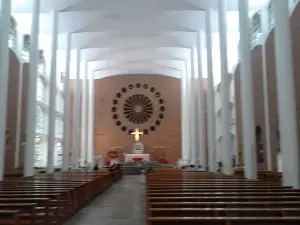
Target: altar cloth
{"x": 130, "y": 157}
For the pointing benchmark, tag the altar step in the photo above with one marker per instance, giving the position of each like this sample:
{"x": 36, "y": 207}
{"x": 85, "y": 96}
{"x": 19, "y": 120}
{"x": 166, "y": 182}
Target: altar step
{"x": 131, "y": 170}
{"x": 134, "y": 168}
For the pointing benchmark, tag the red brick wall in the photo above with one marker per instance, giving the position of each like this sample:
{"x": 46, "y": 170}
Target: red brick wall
{"x": 168, "y": 133}
{"x": 12, "y": 105}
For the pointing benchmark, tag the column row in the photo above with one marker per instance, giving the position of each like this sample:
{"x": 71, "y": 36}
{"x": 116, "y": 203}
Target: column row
{"x": 87, "y": 104}
{"x": 194, "y": 150}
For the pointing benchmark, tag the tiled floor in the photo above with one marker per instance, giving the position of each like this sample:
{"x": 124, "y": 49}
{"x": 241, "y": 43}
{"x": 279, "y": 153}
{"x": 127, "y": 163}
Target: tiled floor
{"x": 122, "y": 204}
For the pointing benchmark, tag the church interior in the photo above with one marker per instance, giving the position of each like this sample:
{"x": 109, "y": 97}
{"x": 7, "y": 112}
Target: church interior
{"x": 158, "y": 112}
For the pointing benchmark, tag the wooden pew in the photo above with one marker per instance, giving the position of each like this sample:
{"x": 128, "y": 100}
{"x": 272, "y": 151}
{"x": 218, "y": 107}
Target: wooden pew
{"x": 204, "y": 198}
{"x": 219, "y": 204}
{"x": 27, "y": 211}
{"x": 66, "y": 195}
{"x": 236, "y": 190}
{"x": 44, "y": 208}
{"x": 217, "y": 212}
{"x": 223, "y": 194}
{"x": 9, "y": 217}
{"x": 223, "y": 220}
{"x": 213, "y": 187}
{"x": 53, "y": 196}
{"x": 224, "y": 198}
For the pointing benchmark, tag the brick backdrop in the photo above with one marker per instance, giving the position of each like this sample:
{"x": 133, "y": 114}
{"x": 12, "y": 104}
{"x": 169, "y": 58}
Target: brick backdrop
{"x": 168, "y": 133}
{"x": 12, "y": 106}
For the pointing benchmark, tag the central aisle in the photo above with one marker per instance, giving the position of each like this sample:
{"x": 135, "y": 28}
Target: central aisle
{"x": 122, "y": 204}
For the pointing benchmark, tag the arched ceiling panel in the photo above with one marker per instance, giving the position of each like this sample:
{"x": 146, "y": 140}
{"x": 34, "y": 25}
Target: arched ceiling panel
{"x": 128, "y": 36}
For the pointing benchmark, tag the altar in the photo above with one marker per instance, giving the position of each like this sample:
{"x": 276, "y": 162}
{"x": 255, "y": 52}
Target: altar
{"x": 137, "y": 150}
{"x": 137, "y": 157}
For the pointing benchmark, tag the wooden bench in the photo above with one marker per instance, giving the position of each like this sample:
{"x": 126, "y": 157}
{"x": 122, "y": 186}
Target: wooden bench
{"x": 66, "y": 195}
{"x": 52, "y": 199}
{"x": 204, "y": 198}
{"x": 193, "y": 212}
{"x": 213, "y": 187}
{"x": 219, "y": 204}
{"x": 9, "y": 217}
{"x": 222, "y": 194}
{"x": 223, "y": 220}
{"x": 212, "y": 190}
{"x": 27, "y": 211}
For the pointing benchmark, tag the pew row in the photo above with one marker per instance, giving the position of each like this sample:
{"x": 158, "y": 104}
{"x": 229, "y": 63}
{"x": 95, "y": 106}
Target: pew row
{"x": 52, "y": 199}
{"x": 190, "y": 198}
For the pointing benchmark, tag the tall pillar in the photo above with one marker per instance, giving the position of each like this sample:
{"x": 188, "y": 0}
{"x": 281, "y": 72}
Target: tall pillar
{"x": 249, "y": 147}
{"x": 188, "y": 109}
{"x": 31, "y": 102}
{"x": 211, "y": 128}
{"x": 286, "y": 95}
{"x": 76, "y": 114}
{"x": 184, "y": 120}
{"x": 271, "y": 148}
{"x": 91, "y": 128}
{"x": 83, "y": 149}
{"x": 225, "y": 79}
{"x": 5, "y": 25}
{"x": 53, "y": 95}
{"x": 19, "y": 118}
{"x": 201, "y": 116}
{"x": 19, "y": 110}
{"x": 66, "y": 141}
{"x": 192, "y": 107}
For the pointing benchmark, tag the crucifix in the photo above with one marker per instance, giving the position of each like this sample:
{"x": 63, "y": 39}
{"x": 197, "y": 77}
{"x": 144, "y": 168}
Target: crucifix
{"x": 137, "y": 134}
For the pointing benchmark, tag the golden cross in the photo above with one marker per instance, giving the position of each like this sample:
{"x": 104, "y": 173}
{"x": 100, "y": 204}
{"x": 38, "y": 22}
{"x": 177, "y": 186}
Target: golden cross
{"x": 137, "y": 134}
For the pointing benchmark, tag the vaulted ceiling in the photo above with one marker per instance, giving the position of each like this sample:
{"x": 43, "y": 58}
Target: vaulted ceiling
{"x": 129, "y": 36}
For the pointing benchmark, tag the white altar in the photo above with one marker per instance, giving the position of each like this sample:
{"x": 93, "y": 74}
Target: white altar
{"x": 137, "y": 149}
{"x": 130, "y": 157}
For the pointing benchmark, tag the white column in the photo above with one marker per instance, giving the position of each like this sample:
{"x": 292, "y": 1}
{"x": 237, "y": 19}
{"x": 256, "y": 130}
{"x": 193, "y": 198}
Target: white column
{"x": 83, "y": 149}
{"x": 184, "y": 120}
{"x": 53, "y": 95}
{"x": 188, "y": 123}
{"x": 211, "y": 126}
{"x": 201, "y": 118}
{"x": 5, "y": 25}
{"x": 249, "y": 147}
{"x": 286, "y": 95}
{"x": 225, "y": 79}
{"x": 19, "y": 117}
{"x": 66, "y": 141}
{"x": 192, "y": 111}
{"x": 271, "y": 148}
{"x": 19, "y": 109}
{"x": 31, "y": 102}
{"x": 76, "y": 114}
{"x": 91, "y": 129}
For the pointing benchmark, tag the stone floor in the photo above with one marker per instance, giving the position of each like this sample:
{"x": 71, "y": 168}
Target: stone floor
{"x": 122, "y": 204}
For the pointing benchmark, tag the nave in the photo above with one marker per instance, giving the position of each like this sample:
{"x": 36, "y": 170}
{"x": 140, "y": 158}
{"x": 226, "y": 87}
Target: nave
{"x": 122, "y": 204}
{"x": 162, "y": 196}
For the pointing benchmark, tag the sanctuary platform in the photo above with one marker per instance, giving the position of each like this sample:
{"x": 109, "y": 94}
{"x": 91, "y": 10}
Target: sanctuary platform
{"x": 135, "y": 168}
